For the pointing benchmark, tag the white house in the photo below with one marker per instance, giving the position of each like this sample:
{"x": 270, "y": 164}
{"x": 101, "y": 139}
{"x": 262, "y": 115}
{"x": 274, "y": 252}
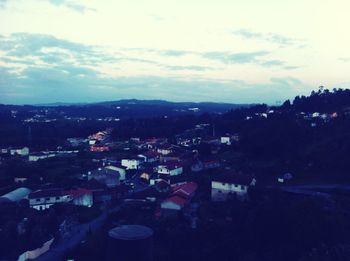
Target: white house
{"x": 19, "y": 151}
{"x": 285, "y": 177}
{"x": 4, "y": 151}
{"x": 165, "y": 150}
{"x": 315, "y": 115}
{"x": 131, "y": 163}
{"x": 40, "y": 156}
{"x": 225, "y": 140}
{"x": 171, "y": 169}
{"x": 43, "y": 199}
{"x": 230, "y": 186}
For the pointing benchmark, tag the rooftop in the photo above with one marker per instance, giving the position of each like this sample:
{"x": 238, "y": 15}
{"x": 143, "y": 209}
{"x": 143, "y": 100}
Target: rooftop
{"x": 55, "y": 192}
{"x": 177, "y": 200}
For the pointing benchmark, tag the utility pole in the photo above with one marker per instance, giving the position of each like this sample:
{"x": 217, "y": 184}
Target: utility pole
{"x": 29, "y": 136}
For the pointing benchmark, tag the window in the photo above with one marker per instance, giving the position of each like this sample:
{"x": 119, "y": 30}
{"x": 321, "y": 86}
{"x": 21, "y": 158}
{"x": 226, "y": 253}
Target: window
{"x": 57, "y": 198}
{"x": 38, "y": 199}
{"x": 47, "y": 198}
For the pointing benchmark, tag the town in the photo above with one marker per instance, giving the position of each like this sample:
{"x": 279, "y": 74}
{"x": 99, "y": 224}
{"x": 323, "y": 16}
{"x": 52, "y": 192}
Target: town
{"x": 58, "y": 202}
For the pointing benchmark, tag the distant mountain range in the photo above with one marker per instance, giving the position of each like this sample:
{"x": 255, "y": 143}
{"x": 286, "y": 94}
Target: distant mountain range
{"x": 143, "y": 102}
{"x": 121, "y": 109}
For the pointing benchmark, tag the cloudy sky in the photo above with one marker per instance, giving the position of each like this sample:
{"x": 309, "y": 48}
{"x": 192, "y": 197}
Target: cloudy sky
{"x": 236, "y": 51}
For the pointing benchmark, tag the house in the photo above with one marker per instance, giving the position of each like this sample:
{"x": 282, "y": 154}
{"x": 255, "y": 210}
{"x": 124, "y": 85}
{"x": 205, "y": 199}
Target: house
{"x": 165, "y": 149}
{"x": 174, "y": 203}
{"x": 225, "y": 140}
{"x": 315, "y": 115}
{"x": 99, "y": 148}
{"x": 204, "y": 165}
{"x": 80, "y": 197}
{"x": 174, "y": 156}
{"x": 162, "y": 186}
{"x": 170, "y": 168}
{"x": 211, "y": 140}
{"x": 106, "y": 176}
{"x": 101, "y": 135}
{"x": 185, "y": 189}
{"x": 76, "y": 142}
{"x": 40, "y": 156}
{"x": 153, "y": 143}
{"x": 211, "y": 164}
{"x": 19, "y": 151}
{"x": 120, "y": 169}
{"x": 131, "y": 163}
{"x": 20, "y": 179}
{"x": 285, "y": 177}
{"x": 98, "y": 190}
{"x": 182, "y": 193}
{"x": 149, "y": 156}
{"x": 146, "y": 173}
{"x": 44, "y": 199}
{"x": 4, "y": 151}
{"x": 236, "y": 137}
{"x": 231, "y": 185}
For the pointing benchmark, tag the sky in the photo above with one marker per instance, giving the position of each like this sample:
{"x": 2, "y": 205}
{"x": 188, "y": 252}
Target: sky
{"x": 237, "y": 51}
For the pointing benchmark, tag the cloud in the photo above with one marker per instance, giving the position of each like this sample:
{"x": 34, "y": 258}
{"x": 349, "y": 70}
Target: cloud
{"x": 157, "y": 18}
{"x": 3, "y": 3}
{"x": 258, "y": 58}
{"x": 268, "y": 37}
{"x": 224, "y": 57}
{"x": 37, "y": 68}
{"x": 71, "y": 5}
{"x": 173, "y": 52}
{"x": 23, "y": 44}
{"x": 272, "y": 63}
{"x": 344, "y": 59}
{"x": 291, "y": 67}
{"x": 39, "y": 48}
{"x": 189, "y": 67}
{"x": 168, "y": 52}
{"x": 75, "y": 84}
{"x": 240, "y": 58}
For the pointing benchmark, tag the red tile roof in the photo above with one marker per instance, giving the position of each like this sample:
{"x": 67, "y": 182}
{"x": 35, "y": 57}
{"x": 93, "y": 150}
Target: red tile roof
{"x": 77, "y": 192}
{"x": 185, "y": 190}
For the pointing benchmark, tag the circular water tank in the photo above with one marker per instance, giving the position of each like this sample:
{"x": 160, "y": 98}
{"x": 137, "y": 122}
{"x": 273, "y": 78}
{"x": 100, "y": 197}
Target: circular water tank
{"x": 16, "y": 195}
{"x": 130, "y": 242}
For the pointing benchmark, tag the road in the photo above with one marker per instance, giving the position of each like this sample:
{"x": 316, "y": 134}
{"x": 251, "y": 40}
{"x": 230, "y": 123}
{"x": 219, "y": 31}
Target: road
{"x": 324, "y": 190}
